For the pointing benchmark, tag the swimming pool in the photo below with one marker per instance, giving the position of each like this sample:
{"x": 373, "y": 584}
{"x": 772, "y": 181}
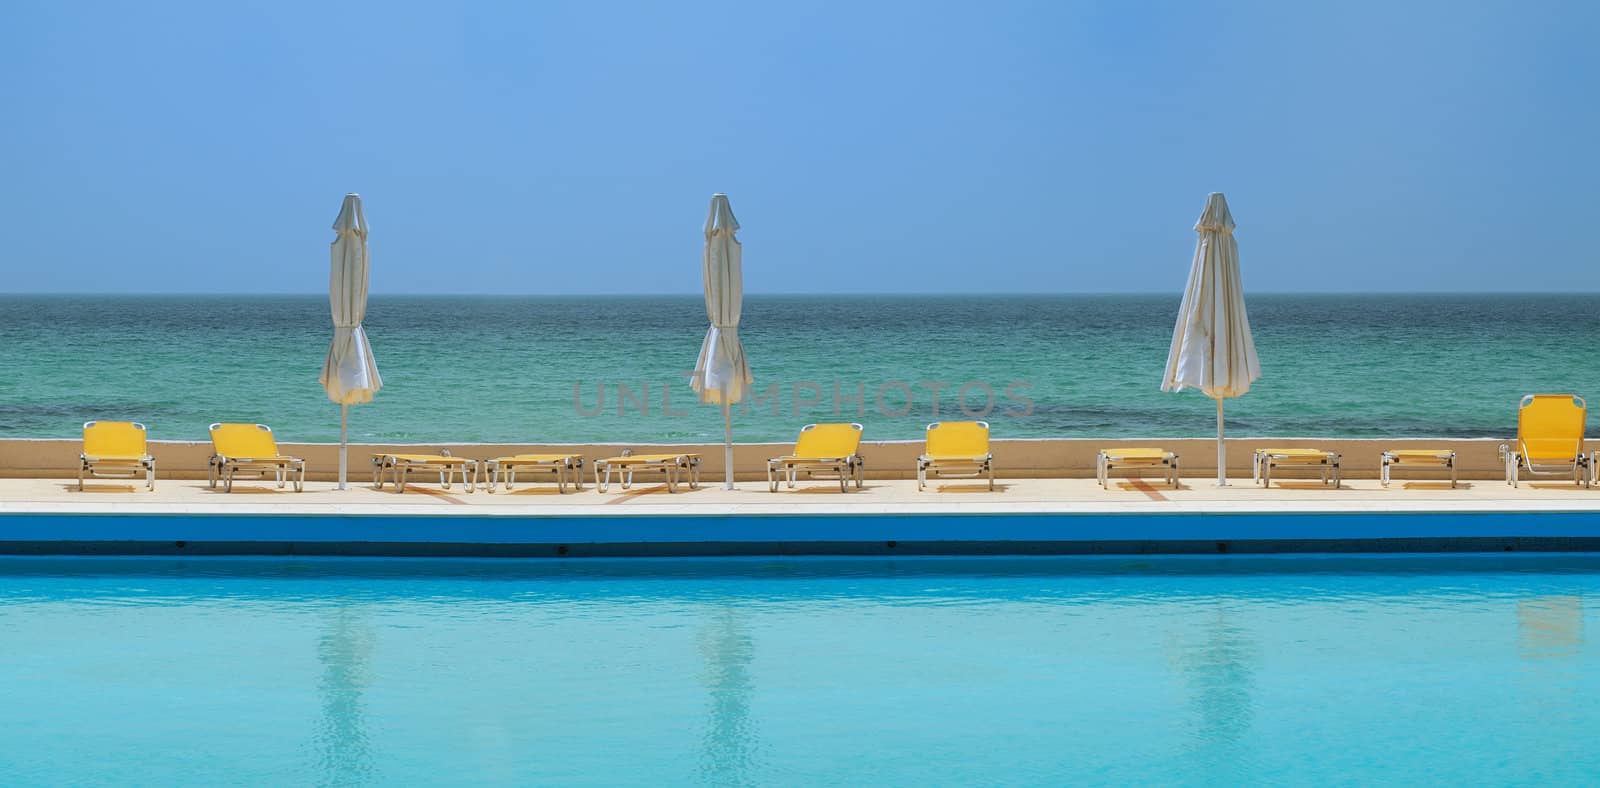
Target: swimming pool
{"x": 1206, "y": 670}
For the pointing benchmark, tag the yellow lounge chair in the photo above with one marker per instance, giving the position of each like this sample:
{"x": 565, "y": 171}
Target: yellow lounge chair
{"x": 1399, "y": 458}
{"x": 823, "y": 451}
{"x": 116, "y": 448}
{"x": 564, "y": 467}
{"x": 1111, "y": 459}
{"x": 1549, "y": 438}
{"x": 1327, "y": 462}
{"x": 674, "y": 468}
{"x": 250, "y": 448}
{"x": 401, "y": 465}
{"x": 956, "y": 449}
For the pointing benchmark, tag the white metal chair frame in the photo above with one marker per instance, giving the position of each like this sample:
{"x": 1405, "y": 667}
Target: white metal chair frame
{"x": 974, "y": 468}
{"x": 842, "y": 469}
{"x": 1265, "y": 461}
{"x": 400, "y": 469}
{"x": 1104, "y": 464}
{"x": 1445, "y": 459}
{"x": 89, "y": 465}
{"x": 675, "y": 470}
{"x": 1581, "y": 467}
{"x": 223, "y": 468}
{"x": 504, "y": 472}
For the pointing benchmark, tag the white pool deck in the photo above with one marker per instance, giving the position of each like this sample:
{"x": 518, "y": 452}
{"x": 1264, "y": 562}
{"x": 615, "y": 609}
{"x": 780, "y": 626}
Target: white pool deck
{"x": 888, "y": 517}
{"x": 1076, "y": 496}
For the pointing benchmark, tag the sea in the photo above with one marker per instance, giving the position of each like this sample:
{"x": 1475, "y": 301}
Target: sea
{"x": 616, "y": 369}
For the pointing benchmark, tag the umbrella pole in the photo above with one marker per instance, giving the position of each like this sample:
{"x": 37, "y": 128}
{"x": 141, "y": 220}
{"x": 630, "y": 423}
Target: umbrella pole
{"x": 344, "y": 444}
{"x": 727, "y": 442}
{"x": 1222, "y": 455}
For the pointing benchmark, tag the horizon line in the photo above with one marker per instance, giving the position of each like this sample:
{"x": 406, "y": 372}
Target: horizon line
{"x": 851, "y": 294}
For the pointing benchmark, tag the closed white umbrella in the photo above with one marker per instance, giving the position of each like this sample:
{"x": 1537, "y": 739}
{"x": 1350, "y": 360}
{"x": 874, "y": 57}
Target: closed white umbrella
{"x": 349, "y": 374}
{"x": 721, "y": 374}
{"x": 1211, "y": 345}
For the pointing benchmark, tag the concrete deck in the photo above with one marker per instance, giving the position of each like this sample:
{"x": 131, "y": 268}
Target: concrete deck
{"x": 891, "y": 496}
{"x": 888, "y": 517}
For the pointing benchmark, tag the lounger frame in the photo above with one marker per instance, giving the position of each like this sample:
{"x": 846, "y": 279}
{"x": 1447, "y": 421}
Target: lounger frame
{"x": 567, "y": 469}
{"x": 1265, "y": 460}
{"x": 1441, "y": 459}
{"x": 955, "y": 467}
{"x": 223, "y": 468}
{"x": 675, "y": 469}
{"x": 402, "y": 466}
{"x": 1105, "y": 463}
{"x": 117, "y": 467}
{"x": 844, "y": 469}
{"x": 1517, "y": 461}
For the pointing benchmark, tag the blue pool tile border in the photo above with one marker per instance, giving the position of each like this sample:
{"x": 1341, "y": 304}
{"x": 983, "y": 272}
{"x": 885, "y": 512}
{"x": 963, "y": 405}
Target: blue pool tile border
{"x": 1053, "y": 533}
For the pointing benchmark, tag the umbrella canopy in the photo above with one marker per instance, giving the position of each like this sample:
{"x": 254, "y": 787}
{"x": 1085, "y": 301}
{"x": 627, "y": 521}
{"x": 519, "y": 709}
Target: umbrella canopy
{"x": 1212, "y": 349}
{"x": 721, "y": 374}
{"x": 349, "y": 373}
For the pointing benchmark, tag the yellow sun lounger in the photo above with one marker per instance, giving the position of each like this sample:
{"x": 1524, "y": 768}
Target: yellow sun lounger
{"x": 1403, "y": 458}
{"x": 675, "y": 468}
{"x": 956, "y": 449}
{"x": 823, "y": 451}
{"x": 116, "y": 448}
{"x": 250, "y": 448}
{"x": 1549, "y": 438}
{"x": 1327, "y": 462}
{"x": 1112, "y": 459}
{"x": 564, "y": 467}
{"x": 401, "y": 465}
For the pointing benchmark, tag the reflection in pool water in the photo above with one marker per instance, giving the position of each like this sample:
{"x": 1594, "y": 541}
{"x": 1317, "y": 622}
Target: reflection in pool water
{"x": 740, "y": 672}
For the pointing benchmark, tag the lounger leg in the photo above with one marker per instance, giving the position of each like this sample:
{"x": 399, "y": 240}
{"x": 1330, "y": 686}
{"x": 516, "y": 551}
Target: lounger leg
{"x": 1452, "y": 473}
{"x": 989, "y": 466}
{"x": 922, "y": 477}
{"x": 82, "y": 466}
{"x": 150, "y": 476}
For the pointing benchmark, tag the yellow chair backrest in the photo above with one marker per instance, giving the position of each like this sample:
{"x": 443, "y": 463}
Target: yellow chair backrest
{"x": 828, "y": 440}
{"x": 1550, "y": 426}
{"x": 243, "y": 440}
{"x": 958, "y": 438}
{"x": 114, "y": 439}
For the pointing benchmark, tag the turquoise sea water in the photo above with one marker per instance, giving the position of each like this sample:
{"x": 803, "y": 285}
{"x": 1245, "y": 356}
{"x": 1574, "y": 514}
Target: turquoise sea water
{"x": 1379, "y": 670}
{"x": 522, "y": 369}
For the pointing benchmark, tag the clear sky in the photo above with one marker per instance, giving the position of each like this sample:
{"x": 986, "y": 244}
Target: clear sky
{"x": 571, "y": 147}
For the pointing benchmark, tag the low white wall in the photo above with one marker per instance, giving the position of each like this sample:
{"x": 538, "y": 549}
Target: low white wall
{"x": 1043, "y": 458}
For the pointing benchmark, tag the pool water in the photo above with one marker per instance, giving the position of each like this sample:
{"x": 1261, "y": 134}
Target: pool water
{"x": 1221, "y": 671}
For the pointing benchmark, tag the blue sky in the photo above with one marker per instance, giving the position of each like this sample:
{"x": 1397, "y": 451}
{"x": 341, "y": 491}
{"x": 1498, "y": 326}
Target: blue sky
{"x": 555, "y": 147}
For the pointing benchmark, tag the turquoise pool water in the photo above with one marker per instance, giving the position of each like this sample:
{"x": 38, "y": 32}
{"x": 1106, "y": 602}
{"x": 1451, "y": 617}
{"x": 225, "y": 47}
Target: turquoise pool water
{"x": 1223, "y": 671}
